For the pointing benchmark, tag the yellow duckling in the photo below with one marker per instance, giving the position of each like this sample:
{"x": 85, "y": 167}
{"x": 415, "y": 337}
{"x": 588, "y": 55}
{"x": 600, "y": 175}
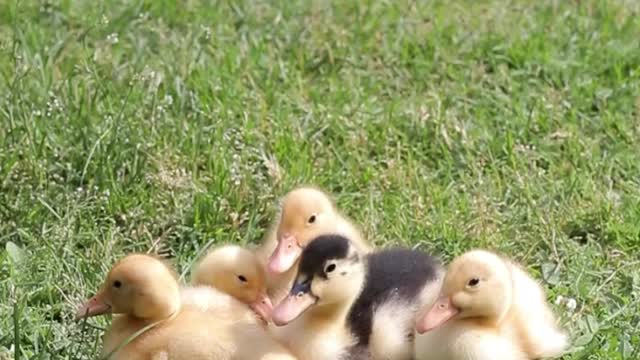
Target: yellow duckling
{"x": 306, "y": 213}
{"x": 143, "y": 294}
{"x": 488, "y": 309}
{"x": 237, "y": 272}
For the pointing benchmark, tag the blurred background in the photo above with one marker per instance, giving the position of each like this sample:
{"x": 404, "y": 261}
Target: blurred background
{"x": 168, "y": 127}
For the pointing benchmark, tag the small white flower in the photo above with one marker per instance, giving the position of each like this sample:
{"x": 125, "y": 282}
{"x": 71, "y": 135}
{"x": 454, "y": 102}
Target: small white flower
{"x": 571, "y": 304}
{"x": 53, "y": 105}
{"x": 559, "y": 300}
{"x": 168, "y": 99}
{"x": 206, "y": 32}
{"x": 79, "y": 189}
{"x": 104, "y": 20}
{"x": 113, "y": 38}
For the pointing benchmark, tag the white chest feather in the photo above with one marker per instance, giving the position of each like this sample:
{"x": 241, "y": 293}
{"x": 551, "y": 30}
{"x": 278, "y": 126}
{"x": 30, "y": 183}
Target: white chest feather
{"x": 314, "y": 342}
{"x": 455, "y": 341}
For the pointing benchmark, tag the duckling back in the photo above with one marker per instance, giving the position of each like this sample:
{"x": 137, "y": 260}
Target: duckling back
{"x": 237, "y": 325}
{"x": 190, "y": 334}
{"x": 210, "y": 326}
{"x": 223, "y": 306}
{"x": 535, "y": 321}
{"x": 398, "y": 283}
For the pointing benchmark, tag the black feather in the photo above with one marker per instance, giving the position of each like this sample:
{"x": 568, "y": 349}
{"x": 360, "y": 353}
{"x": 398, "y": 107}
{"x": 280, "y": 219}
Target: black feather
{"x": 319, "y": 251}
{"x": 393, "y": 273}
{"x": 357, "y": 352}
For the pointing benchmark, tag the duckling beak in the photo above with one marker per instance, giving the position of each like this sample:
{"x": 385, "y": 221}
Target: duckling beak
{"x": 263, "y": 307}
{"x": 299, "y": 300}
{"x": 94, "y": 306}
{"x": 442, "y": 311}
{"x": 285, "y": 255}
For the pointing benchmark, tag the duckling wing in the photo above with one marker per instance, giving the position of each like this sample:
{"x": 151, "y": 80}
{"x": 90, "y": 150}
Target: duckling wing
{"x": 382, "y": 318}
{"x": 535, "y": 320}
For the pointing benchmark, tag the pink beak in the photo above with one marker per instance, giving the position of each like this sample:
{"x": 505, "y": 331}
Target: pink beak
{"x": 285, "y": 255}
{"x": 263, "y": 307}
{"x": 94, "y": 306}
{"x": 441, "y": 312}
{"x": 291, "y": 307}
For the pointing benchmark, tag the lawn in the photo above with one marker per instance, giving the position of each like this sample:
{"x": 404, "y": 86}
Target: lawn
{"x": 446, "y": 125}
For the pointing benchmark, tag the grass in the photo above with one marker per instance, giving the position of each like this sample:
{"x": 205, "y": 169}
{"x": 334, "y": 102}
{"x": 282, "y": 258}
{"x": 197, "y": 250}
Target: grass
{"x": 146, "y": 126}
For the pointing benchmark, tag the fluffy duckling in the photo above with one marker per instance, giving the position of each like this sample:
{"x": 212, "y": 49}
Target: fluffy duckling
{"x": 305, "y": 214}
{"x": 143, "y": 294}
{"x": 488, "y": 309}
{"x": 237, "y": 272}
{"x": 344, "y": 305}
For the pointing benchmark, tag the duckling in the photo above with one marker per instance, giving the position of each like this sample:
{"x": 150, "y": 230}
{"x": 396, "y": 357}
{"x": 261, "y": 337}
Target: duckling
{"x": 346, "y": 305}
{"x": 143, "y": 294}
{"x": 306, "y": 213}
{"x": 488, "y": 309}
{"x": 237, "y": 272}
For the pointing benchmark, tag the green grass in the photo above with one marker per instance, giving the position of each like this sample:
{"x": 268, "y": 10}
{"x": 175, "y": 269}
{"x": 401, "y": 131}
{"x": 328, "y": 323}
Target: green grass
{"x": 144, "y": 126}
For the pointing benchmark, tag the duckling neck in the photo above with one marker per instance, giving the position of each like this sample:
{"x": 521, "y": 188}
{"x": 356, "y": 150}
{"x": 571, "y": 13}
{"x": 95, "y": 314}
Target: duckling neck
{"x": 332, "y": 312}
{"x": 338, "y": 312}
{"x": 484, "y": 322}
{"x": 329, "y": 315}
{"x": 158, "y": 310}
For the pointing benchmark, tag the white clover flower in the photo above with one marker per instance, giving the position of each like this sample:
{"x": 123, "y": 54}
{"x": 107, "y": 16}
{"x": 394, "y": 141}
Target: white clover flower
{"x": 571, "y": 304}
{"x": 206, "y": 32}
{"x": 113, "y": 38}
{"x": 559, "y": 300}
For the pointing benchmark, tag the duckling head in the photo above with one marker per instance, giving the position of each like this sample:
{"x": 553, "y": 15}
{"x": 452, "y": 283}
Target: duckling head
{"x": 306, "y": 213}
{"x": 239, "y": 273}
{"x": 140, "y": 286}
{"x": 330, "y": 273}
{"x": 477, "y": 285}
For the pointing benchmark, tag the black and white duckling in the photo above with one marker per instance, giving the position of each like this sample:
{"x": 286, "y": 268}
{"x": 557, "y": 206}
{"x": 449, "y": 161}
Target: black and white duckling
{"x": 345, "y": 305}
{"x": 488, "y": 309}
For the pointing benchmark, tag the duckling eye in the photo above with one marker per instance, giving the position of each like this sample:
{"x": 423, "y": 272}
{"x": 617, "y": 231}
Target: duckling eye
{"x": 117, "y": 284}
{"x": 242, "y": 278}
{"x": 330, "y": 268}
{"x": 473, "y": 282}
{"x": 312, "y": 219}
